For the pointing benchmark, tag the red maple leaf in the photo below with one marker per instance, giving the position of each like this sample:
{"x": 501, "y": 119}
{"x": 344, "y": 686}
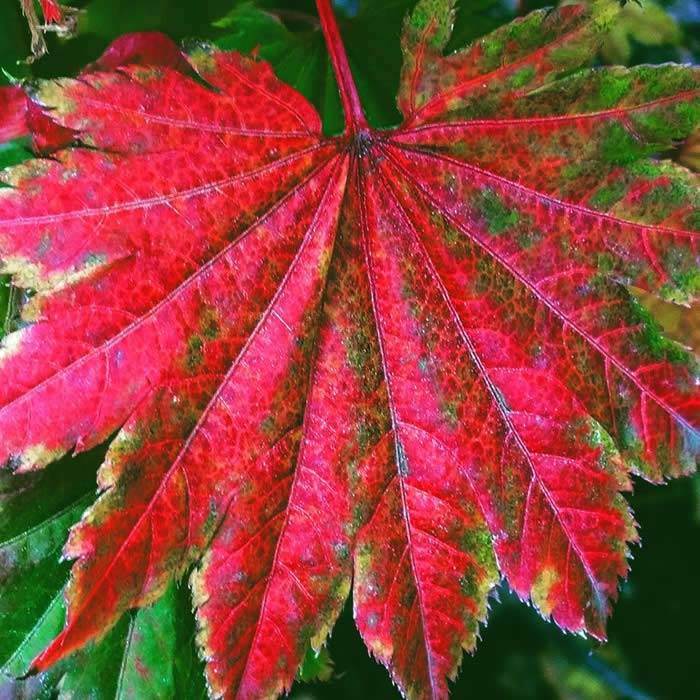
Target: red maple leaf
{"x": 401, "y": 360}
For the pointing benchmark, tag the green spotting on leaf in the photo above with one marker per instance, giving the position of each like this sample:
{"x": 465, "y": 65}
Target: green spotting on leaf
{"x": 497, "y": 216}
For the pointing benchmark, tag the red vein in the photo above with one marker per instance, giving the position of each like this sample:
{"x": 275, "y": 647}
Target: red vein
{"x": 494, "y": 391}
{"x": 543, "y": 299}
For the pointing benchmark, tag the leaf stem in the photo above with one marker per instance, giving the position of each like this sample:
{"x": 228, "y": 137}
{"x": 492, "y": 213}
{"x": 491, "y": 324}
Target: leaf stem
{"x": 355, "y": 120}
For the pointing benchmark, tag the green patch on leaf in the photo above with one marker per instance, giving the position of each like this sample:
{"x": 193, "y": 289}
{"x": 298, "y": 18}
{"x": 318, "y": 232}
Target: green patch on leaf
{"x": 619, "y": 146}
{"x": 612, "y": 88}
{"x": 652, "y": 340}
{"x": 497, "y": 215}
{"x": 522, "y": 77}
{"x": 195, "y": 352}
{"x": 604, "y": 197}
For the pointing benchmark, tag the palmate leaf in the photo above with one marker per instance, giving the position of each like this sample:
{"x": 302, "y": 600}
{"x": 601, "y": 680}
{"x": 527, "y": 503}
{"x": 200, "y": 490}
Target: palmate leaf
{"x": 405, "y": 361}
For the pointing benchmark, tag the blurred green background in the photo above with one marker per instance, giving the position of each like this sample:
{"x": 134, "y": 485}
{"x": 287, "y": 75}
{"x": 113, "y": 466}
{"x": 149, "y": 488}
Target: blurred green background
{"x": 653, "y": 636}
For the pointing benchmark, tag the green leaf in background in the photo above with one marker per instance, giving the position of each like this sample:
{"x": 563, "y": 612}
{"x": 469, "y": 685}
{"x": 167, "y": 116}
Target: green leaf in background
{"x": 290, "y": 39}
{"x": 317, "y": 666}
{"x": 14, "y": 42}
{"x": 647, "y": 23}
{"x": 148, "y": 654}
{"x": 14, "y": 152}
{"x": 36, "y": 511}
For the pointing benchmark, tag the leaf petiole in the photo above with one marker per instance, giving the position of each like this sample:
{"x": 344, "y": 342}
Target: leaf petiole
{"x": 355, "y": 120}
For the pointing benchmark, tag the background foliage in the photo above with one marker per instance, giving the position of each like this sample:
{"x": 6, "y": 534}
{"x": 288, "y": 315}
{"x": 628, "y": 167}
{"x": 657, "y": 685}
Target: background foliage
{"x": 652, "y": 650}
